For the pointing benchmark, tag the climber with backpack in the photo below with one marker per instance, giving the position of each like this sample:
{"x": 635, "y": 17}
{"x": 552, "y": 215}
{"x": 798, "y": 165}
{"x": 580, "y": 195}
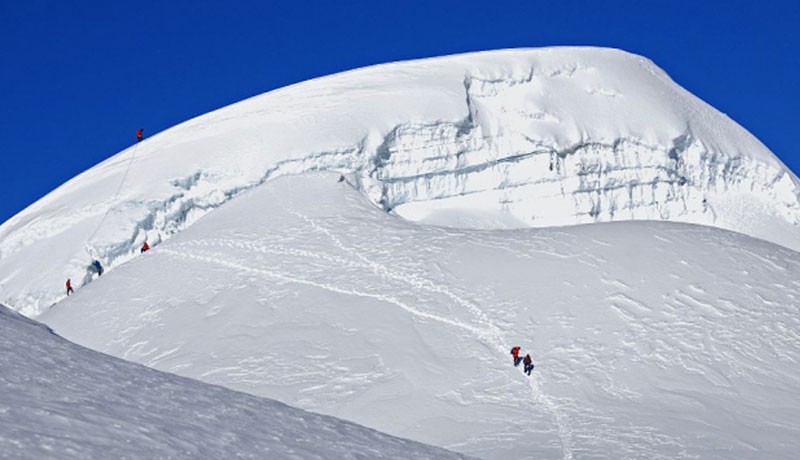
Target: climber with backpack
{"x": 97, "y": 267}
{"x": 528, "y": 362}
{"x": 69, "y": 287}
{"x": 139, "y": 135}
{"x": 145, "y": 248}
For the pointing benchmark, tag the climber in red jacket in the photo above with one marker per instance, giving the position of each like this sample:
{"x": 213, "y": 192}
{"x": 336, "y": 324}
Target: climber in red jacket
{"x": 515, "y": 355}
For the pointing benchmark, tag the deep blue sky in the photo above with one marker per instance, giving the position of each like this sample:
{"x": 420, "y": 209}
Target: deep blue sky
{"x": 77, "y": 77}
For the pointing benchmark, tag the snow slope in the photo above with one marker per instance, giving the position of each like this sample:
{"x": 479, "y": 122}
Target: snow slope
{"x": 514, "y": 138}
{"x": 652, "y": 340}
{"x": 62, "y": 401}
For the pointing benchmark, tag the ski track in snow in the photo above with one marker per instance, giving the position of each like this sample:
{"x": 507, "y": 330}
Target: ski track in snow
{"x": 213, "y": 258}
{"x": 489, "y": 334}
{"x": 486, "y": 331}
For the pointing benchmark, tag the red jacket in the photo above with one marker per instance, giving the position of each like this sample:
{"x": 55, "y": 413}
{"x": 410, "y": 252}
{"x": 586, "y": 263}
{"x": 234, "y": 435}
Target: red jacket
{"x": 515, "y": 352}
{"x": 527, "y": 360}
{"x": 145, "y": 247}
{"x": 69, "y": 284}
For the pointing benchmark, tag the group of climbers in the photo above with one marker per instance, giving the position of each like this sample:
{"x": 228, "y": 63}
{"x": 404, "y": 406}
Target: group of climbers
{"x": 97, "y": 267}
{"x": 526, "y": 361}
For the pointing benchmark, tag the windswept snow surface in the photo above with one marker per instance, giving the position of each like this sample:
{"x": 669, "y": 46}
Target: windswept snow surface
{"x": 62, "y": 401}
{"x": 514, "y": 138}
{"x": 652, "y": 340}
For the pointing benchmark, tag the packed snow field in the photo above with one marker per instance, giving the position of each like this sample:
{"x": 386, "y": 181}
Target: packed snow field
{"x": 651, "y": 340}
{"x": 514, "y": 138}
{"x": 62, "y": 401}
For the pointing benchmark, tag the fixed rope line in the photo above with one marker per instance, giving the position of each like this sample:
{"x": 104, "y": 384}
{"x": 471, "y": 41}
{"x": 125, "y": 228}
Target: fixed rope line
{"x": 116, "y": 194}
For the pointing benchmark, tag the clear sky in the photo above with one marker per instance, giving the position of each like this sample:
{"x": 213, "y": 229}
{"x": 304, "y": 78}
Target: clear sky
{"x": 79, "y": 77}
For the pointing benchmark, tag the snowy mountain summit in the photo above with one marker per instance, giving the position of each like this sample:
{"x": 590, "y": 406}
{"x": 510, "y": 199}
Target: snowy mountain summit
{"x": 514, "y": 138}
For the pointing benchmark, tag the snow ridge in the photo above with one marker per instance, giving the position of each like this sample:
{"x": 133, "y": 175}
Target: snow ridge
{"x": 63, "y": 401}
